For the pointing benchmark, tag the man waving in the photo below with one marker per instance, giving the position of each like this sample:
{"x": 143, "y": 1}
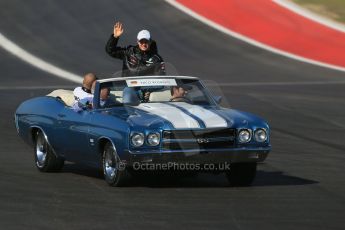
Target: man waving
{"x": 142, "y": 59}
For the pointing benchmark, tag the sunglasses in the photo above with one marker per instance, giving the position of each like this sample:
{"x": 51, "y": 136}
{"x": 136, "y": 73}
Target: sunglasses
{"x": 143, "y": 41}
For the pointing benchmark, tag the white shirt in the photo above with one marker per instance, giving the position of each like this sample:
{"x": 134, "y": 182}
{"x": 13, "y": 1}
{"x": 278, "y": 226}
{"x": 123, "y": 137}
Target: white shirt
{"x": 102, "y": 102}
{"x": 79, "y": 94}
{"x": 81, "y": 98}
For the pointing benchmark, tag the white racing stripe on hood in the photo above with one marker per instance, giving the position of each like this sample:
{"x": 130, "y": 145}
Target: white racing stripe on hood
{"x": 211, "y": 119}
{"x": 175, "y": 116}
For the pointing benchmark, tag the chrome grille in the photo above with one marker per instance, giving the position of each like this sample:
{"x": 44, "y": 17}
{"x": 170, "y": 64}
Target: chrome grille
{"x": 198, "y": 139}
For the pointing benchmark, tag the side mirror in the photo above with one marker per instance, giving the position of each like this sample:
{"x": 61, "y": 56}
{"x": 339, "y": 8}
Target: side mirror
{"x": 130, "y": 97}
{"x": 218, "y": 99}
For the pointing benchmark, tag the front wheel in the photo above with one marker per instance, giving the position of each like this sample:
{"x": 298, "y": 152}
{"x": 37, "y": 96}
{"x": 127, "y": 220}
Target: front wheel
{"x": 45, "y": 159}
{"x": 241, "y": 174}
{"x": 115, "y": 172}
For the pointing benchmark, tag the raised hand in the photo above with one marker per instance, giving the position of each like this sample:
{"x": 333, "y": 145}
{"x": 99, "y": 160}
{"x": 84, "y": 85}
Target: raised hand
{"x": 118, "y": 29}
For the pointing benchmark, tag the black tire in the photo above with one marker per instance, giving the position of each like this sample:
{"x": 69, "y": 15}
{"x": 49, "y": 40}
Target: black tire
{"x": 45, "y": 159}
{"x": 241, "y": 174}
{"x": 114, "y": 171}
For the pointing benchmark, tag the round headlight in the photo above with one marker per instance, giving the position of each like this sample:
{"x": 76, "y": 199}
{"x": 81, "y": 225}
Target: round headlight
{"x": 153, "y": 139}
{"x": 260, "y": 135}
{"x": 137, "y": 139}
{"x": 244, "y": 136}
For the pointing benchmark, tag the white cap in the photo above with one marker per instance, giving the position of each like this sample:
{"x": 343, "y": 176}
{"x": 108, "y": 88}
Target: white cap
{"x": 144, "y": 34}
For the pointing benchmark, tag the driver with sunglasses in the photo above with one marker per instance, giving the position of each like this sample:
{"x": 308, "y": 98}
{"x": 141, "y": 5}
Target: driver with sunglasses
{"x": 140, "y": 60}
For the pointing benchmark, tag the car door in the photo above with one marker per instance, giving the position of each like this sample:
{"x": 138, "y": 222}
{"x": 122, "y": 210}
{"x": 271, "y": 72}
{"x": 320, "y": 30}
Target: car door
{"x": 72, "y": 132}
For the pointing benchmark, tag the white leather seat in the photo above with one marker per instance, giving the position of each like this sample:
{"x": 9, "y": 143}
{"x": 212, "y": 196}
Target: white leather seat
{"x": 160, "y": 96}
{"x": 116, "y": 96}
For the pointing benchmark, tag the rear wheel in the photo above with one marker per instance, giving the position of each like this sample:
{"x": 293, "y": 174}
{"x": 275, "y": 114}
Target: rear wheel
{"x": 115, "y": 172}
{"x": 241, "y": 174}
{"x": 45, "y": 159}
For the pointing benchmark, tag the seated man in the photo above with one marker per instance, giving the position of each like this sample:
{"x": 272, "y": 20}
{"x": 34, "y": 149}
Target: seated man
{"x": 179, "y": 92}
{"x": 105, "y": 100}
{"x": 83, "y": 95}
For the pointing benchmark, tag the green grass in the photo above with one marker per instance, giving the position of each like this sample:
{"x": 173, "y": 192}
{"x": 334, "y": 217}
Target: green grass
{"x": 334, "y": 9}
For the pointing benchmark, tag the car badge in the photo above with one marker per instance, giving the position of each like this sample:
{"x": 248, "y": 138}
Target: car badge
{"x": 202, "y": 140}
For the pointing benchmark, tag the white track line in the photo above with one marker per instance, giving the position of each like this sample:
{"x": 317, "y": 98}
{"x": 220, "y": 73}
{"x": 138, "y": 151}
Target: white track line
{"x": 27, "y": 57}
{"x": 249, "y": 40}
{"x": 310, "y": 15}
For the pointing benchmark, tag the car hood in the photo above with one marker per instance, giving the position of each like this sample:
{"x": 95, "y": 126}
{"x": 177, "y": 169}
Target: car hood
{"x": 181, "y": 115}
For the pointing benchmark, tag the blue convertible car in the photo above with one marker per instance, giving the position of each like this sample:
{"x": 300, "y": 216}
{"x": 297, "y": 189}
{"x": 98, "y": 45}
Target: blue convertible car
{"x": 164, "y": 122}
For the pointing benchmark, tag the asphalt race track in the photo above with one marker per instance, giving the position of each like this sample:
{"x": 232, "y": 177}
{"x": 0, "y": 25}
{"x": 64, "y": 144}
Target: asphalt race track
{"x": 300, "y": 186}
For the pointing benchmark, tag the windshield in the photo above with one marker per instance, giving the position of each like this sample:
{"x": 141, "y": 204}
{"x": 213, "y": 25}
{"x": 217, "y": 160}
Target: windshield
{"x": 153, "y": 90}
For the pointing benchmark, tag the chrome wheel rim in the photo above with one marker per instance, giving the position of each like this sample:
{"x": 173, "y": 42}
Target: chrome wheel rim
{"x": 110, "y": 163}
{"x": 41, "y": 151}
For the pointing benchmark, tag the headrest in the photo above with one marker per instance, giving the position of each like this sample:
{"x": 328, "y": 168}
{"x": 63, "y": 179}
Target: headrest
{"x": 160, "y": 96}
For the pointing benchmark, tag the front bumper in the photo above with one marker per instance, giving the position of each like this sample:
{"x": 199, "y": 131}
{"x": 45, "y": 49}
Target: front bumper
{"x": 214, "y": 156}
